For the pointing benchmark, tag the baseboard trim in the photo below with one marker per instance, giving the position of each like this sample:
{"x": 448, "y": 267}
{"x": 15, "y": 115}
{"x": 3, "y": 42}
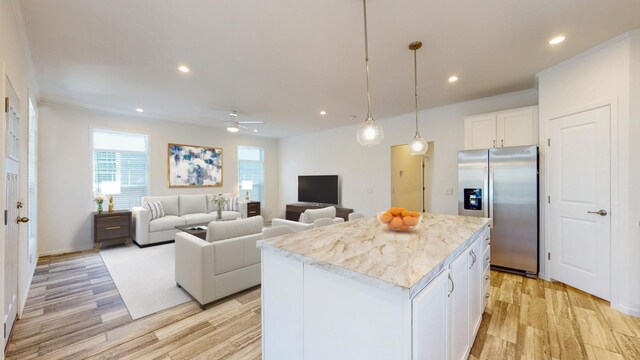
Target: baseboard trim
{"x": 626, "y": 310}
{"x": 62, "y": 251}
{"x": 153, "y": 244}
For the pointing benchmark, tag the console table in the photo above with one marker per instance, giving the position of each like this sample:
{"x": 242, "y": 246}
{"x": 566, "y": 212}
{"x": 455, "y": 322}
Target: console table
{"x": 294, "y": 211}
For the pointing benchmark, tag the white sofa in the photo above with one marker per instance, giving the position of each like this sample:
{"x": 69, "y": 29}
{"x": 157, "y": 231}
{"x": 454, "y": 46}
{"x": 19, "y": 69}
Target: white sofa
{"x": 179, "y": 210}
{"x": 226, "y": 262}
{"x": 308, "y": 217}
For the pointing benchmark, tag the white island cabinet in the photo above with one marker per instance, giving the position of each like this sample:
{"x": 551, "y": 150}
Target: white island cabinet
{"x": 357, "y": 291}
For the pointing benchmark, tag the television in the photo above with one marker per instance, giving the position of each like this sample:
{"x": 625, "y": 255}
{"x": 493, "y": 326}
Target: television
{"x": 322, "y": 189}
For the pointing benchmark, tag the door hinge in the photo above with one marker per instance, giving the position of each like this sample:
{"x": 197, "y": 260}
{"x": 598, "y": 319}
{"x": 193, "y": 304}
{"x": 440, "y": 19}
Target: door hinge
{"x": 548, "y": 256}
{"x": 6, "y": 104}
{"x": 548, "y": 142}
{"x": 5, "y": 217}
{"x": 4, "y": 333}
{"x": 549, "y": 199}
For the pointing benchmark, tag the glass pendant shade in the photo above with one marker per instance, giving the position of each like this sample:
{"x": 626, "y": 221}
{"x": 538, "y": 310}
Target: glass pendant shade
{"x": 418, "y": 146}
{"x": 369, "y": 133}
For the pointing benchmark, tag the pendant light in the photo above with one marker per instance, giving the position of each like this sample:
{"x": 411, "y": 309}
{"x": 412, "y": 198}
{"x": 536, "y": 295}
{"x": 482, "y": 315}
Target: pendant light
{"x": 369, "y": 133}
{"x": 417, "y": 146}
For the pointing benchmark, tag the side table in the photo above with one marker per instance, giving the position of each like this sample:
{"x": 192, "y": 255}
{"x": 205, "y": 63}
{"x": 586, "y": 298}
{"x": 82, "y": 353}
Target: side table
{"x": 114, "y": 225}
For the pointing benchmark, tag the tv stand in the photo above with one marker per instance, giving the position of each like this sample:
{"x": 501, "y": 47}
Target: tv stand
{"x": 294, "y": 210}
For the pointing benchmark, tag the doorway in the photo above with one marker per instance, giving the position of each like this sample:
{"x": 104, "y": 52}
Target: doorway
{"x": 580, "y": 200}
{"x": 411, "y": 178}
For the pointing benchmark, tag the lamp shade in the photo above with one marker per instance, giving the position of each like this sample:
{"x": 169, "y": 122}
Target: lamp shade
{"x": 247, "y": 185}
{"x": 110, "y": 187}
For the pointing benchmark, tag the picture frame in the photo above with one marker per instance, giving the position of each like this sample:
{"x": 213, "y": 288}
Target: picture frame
{"x": 194, "y": 166}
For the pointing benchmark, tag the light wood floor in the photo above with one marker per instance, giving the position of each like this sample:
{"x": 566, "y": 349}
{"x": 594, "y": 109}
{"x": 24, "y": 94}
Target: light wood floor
{"x": 74, "y": 311}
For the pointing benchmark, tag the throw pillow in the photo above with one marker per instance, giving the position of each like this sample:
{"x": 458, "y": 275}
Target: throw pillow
{"x": 155, "y": 209}
{"x": 232, "y": 205}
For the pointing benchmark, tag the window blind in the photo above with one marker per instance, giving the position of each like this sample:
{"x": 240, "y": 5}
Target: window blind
{"x": 251, "y": 167}
{"x": 121, "y": 157}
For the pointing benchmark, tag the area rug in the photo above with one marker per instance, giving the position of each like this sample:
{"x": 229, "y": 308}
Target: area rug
{"x": 145, "y": 277}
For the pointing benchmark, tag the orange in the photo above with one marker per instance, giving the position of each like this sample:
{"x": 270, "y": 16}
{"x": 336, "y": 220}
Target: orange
{"x": 406, "y": 213}
{"x": 410, "y": 221}
{"x": 415, "y": 214}
{"x": 403, "y": 228}
{"x": 395, "y": 211}
{"x": 386, "y": 217}
{"x": 395, "y": 223}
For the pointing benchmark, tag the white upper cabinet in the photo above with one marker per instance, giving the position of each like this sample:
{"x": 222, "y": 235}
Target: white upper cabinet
{"x": 480, "y": 132}
{"x": 515, "y": 127}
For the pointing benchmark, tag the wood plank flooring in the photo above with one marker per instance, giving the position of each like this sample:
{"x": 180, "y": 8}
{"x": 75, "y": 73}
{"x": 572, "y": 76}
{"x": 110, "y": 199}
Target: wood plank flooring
{"x": 74, "y": 311}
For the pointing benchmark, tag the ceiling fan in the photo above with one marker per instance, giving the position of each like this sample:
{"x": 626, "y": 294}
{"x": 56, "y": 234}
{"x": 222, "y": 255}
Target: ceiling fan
{"x": 234, "y": 125}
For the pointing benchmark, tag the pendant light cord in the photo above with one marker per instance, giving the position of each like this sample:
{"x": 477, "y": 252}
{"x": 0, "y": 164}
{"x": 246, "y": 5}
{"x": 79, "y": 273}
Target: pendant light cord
{"x": 415, "y": 84}
{"x": 366, "y": 58}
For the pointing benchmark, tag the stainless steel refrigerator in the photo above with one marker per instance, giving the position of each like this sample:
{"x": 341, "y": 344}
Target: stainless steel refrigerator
{"x": 502, "y": 184}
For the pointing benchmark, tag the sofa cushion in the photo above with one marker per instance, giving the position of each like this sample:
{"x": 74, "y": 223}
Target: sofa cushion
{"x": 168, "y": 222}
{"x": 193, "y": 204}
{"x": 220, "y": 230}
{"x": 311, "y": 215}
{"x": 169, "y": 203}
{"x": 155, "y": 209}
{"x": 198, "y": 218}
{"x": 210, "y": 206}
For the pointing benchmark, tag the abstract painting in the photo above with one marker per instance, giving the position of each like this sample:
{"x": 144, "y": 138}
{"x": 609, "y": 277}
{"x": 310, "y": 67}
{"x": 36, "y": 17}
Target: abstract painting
{"x": 194, "y": 166}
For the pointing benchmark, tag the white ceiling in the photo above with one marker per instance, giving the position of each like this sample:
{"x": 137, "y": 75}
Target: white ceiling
{"x": 284, "y": 61}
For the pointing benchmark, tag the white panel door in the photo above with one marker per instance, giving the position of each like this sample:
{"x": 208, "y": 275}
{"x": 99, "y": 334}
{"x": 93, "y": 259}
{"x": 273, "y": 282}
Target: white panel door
{"x": 12, "y": 206}
{"x": 480, "y": 132}
{"x": 579, "y": 158}
{"x": 517, "y": 127}
{"x": 430, "y": 317}
{"x": 458, "y": 337}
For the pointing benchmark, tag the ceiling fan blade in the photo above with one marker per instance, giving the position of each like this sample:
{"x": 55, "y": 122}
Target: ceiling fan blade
{"x": 251, "y": 122}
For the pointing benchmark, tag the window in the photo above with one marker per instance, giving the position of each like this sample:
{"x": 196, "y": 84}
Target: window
{"x": 251, "y": 167}
{"x": 121, "y": 157}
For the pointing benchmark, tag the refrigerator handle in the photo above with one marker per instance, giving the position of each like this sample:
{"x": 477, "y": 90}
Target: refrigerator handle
{"x": 493, "y": 221}
{"x": 485, "y": 200}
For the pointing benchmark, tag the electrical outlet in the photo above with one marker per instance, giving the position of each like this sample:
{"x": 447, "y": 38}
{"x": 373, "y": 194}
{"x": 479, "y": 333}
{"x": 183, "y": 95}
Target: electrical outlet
{"x": 369, "y": 190}
{"x": 449, "y": 191}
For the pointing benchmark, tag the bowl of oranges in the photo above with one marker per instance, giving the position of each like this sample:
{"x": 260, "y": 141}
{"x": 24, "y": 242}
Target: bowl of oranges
{"x": 399, "y": 219}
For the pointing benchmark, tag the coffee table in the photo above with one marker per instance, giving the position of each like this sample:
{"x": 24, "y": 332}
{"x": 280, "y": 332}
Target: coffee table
{"x": 190, "y": 229}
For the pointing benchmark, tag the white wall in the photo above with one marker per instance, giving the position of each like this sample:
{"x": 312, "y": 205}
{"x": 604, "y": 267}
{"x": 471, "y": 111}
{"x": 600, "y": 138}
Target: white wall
{"x": 65, "y": 167}
{"x": 16, "y": 62}
{"x": 601, "y": 75}
{"x": 365, "y": 171}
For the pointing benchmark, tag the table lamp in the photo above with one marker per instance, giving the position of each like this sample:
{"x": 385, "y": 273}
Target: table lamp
{"x": 110, "y": 188}
{"x": 247, "y": 185}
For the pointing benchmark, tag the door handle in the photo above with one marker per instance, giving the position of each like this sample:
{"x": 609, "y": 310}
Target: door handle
{"x": 453, "y": 285}
{"x": 600, "y": 212}
{"x": 473, "y": 258}
{"x": 22, "y": 219}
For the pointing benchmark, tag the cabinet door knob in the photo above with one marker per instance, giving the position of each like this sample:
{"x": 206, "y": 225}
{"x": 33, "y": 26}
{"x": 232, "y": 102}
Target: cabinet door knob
{"x": 486, "y": 295}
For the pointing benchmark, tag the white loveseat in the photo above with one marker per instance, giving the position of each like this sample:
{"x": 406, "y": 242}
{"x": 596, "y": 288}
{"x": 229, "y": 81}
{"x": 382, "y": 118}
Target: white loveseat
{"x": 226, "y": 262}
{"x": 308, "y": 217}
{"x": 178, "y": 210}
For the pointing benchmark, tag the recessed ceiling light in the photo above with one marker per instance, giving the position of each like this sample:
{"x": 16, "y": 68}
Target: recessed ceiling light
{"x": 255, "y": 130}
{"x": 453, "y": 78}
{"x": 183, "y": 69}
{"x": 140, "y": 110}
{"x": 557, "y": 40}
{"x": 323, "y": 112}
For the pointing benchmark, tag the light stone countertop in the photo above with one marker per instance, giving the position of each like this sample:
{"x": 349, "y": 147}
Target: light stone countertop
{"x": 366, "y": 251}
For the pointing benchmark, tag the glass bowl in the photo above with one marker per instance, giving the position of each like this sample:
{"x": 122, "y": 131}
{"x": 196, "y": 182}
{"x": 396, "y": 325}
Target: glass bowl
{"x": 398, "y": 223}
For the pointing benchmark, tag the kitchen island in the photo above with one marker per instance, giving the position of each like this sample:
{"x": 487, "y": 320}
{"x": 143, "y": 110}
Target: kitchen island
{"x": 358, "y": 291}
